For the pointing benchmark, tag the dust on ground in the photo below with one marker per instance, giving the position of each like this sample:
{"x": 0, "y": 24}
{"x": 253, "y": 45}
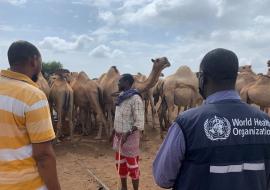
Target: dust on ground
{"x": 73, "y": 162}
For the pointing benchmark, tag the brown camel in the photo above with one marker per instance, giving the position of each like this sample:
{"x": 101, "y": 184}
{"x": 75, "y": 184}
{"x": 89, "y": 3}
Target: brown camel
{"x": 245, "y": 77}
{"x": 148, "y": 99}
{"x": 110, "y": 80}
{"x": 61, "y": 99}
{"x": 180, "y": 89}
{"x": 43, "y": 84}
{"x": 108, "y": 83}
{"x": 88, "y": 98}
{"x": 258, "y": 92}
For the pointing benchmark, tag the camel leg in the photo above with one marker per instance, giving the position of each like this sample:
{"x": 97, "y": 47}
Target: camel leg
{"x": 101, "y": 123}
{"x": 162, "y": 115}
{"x": 146, "y": 103}
{"x": 170, "y": 105}
{"x": 110, "y": 120}
{"x": 59, "y": 125}
{"x": 70, "y": 121}
{"x": 83, "y": 117}
{"x": 153, "y": 109}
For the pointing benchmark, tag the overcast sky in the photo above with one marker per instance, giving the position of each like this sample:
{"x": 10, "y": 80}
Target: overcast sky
{"x": 92, "y": 35}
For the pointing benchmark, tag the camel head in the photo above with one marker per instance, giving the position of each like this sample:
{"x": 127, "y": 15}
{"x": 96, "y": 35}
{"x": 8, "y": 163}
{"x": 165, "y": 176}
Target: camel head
{"x": 245, "y": 68}
{"x": 268, "y": 63}
{"x": 160, "y": 64}
{"x": 113, "y": 71}
{"x": 62, "y": 74}
{"x": 53, "y": 78}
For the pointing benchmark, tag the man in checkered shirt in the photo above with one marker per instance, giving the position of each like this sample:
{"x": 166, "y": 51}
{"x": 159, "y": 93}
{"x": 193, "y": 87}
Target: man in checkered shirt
{"x": 129, "y": 121}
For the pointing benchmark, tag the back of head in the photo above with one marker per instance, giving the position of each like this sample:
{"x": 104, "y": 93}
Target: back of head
{"x": 220, "y": 65}
{"x": 20, "y": 52}
{"x": 129, "y": 78}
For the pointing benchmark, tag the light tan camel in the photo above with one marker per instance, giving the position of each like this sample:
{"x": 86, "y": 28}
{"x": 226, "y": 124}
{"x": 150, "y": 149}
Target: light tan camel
{"x": 88, "y": 98}
{"x": 43, "y": 84}
{"x": 180, "y": 89}
{"x": 61, "y": 99}
{"x": 110, "y": 88}
{"x": 258, "y": 92}
{"x": 245, "y": 77}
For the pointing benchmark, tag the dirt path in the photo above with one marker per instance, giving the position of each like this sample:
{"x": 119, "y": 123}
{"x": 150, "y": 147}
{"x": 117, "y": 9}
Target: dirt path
{"x": 73, "y": 162}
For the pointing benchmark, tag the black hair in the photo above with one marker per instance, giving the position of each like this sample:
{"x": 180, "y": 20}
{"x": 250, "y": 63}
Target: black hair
{"x": 21, "y": 51}
{"x": 129, "y": 78}
{"x": 221, "y": 65}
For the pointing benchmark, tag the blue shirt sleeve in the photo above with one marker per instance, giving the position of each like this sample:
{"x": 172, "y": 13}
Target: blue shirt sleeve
{"x": 168, "y": 160}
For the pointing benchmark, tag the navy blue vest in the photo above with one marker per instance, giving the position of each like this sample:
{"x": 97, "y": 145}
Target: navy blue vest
{"x": 227, "y": 147}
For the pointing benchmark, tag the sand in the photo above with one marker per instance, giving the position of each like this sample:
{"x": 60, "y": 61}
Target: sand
{"x": 74, "y": 161}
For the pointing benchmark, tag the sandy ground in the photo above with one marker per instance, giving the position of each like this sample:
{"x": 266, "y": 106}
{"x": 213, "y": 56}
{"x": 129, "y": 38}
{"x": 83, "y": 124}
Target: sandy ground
{"x": 73, "y": 162}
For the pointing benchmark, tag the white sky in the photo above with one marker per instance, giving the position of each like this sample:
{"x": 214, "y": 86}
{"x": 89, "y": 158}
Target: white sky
{"x": 92, "y": 35}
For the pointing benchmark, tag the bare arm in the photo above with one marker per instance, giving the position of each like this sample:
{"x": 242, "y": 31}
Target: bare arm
{"x": 45, "y": 157}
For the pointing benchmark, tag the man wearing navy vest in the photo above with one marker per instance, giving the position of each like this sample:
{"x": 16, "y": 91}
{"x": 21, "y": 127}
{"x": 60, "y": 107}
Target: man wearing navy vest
{"x": 223, "y": 144}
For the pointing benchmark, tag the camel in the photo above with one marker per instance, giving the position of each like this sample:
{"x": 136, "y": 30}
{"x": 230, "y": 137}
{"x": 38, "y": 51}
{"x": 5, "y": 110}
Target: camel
{"x": 88, "y": 98}
{"x": 110, "y": 80}
{"x": 108, "y": 83}
{"x": 148, "y": 99}
{"x": 180, "y": 89}
{"x": 245, "y": 77}
{"x": 258, "y": 92}
{"x": 43, "y": 84}
{"x": 61, "y": 98}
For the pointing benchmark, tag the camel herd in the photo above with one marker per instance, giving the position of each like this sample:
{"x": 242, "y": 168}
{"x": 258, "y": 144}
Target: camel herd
{"x": 87, "y": 103}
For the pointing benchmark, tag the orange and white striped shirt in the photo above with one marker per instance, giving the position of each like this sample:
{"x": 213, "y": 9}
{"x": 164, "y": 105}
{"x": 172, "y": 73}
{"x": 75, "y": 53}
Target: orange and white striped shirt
{"x": 24, "y": 119}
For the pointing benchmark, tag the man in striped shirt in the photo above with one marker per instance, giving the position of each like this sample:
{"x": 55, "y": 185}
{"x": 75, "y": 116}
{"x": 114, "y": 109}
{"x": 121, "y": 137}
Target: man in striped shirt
{"x": 27, "y": 159}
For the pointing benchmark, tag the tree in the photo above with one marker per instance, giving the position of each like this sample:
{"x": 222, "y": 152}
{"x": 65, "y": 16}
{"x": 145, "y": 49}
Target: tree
{"x": 49, "y": 68}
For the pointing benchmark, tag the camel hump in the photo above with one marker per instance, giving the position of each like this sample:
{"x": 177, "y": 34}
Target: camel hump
{"x": 184, "y": 75}
{"x": 184, "y": 71}
{"x": 83, "y": 76}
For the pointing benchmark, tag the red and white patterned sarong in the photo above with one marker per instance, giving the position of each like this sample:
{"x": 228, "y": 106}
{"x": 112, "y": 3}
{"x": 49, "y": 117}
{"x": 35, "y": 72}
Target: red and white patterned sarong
{"x": 127, "y": 155}
{"x": 128, "y": 166}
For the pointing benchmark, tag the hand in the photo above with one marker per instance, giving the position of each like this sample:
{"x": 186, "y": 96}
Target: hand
{"x": 124, "y": 138}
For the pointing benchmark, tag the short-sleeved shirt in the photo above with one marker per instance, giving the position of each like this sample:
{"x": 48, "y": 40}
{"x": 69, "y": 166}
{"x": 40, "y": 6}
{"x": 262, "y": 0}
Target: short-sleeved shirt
{"x": 129, "y": 113}
{"x": 24, "y": 119}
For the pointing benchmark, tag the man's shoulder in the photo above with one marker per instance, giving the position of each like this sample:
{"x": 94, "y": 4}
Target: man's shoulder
{"x": 193, "y": 111}
{"x": 23, "y": 88}
{"x": 136, "y": 97}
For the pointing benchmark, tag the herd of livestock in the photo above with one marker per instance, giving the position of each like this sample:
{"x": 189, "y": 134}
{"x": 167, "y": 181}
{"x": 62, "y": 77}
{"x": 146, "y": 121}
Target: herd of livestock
{"x": 86, "y": 103}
